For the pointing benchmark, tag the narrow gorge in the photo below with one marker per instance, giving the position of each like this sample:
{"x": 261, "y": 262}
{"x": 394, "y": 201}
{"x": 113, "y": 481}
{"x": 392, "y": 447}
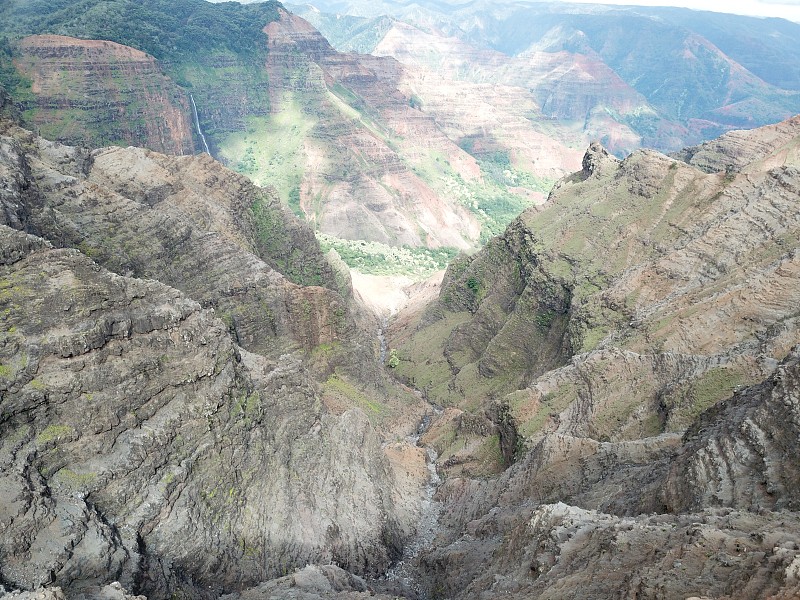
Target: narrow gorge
{"x": 279, "y": 320}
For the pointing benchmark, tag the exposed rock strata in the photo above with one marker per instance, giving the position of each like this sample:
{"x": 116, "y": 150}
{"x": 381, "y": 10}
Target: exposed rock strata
{"x": 669, "y": 296}
{"x": 680, "y": 281}
{"x": 359, "y": 180}
{"x": 143, "y": 444}
{"x": 137, "y": 437}
{"x": 93, "y": 93}
{"x": 715, "y": 491}
{"x": 556, "y": 551}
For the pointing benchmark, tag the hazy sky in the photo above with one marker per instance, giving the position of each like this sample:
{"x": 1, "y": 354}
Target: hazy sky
{"x": 787, "y": 9}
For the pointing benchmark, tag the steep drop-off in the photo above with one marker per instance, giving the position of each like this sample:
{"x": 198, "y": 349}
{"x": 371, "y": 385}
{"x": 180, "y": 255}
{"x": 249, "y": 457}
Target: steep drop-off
{"x": 639, "y": 295}
{"x": 95, "y": 93}
{"x": 197, "y": 440}
{"x": 648, "y": 314}
{"x": 364, "y": 166}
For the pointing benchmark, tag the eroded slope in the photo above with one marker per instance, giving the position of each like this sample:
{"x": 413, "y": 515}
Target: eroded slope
{"x": 655, "y": 288}
{"x": 195, "y": 440}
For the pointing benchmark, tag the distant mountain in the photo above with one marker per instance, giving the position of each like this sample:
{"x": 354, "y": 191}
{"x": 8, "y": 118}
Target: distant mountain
{"x": 342, "y": 137}
{"x": 462, "y": 117}
{"x": 683, "y": 75}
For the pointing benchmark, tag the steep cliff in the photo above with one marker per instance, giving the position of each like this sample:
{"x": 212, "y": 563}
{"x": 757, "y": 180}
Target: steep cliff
{"x": 357, "y": 158}
{"x": 656, "y": 288}
{"x": 95, "y": 93}
{"x": 197, "y": 440}
{"x": 661, "y": 454}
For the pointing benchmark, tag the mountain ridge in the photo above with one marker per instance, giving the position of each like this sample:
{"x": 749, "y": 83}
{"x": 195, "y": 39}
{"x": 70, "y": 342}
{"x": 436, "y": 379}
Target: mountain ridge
{"x": 703, "y": 96}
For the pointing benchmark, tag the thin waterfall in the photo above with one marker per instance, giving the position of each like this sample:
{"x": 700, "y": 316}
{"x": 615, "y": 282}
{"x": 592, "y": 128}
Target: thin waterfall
{"x": 197, "y": 124}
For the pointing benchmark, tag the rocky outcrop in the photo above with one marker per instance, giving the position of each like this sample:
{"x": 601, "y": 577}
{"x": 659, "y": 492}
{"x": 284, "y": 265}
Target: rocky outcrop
{"x": 642, "y": 294}
{"x": 312, "y": 583}
{"x": 178, "y": 440}
{"x": 194, "y": 225}
{"x": 142, "y": 445}
{"x": 666, "y": 299}
{"x": 96, "y": 93}
{"x": 672, "y": 516}
{"x": 741, "y": 453}
{"x": 738, "y": 150}
{"x": 556, "y": 551}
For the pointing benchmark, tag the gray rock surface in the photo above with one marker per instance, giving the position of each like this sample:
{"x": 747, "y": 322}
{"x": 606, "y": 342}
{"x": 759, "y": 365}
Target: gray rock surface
{"x": 179, "y": 440}
{"x": 178, "y": 416}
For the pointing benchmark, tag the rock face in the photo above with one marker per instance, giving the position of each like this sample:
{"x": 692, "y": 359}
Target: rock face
{"x": 97, "y": 92}
{"x": 648, "y": 316}
{"x": 177, "y": 439}
{"x": 641, "y": 261}
{"x": 335, "y": 134}
{"x": 546, "y": 554}
{"x": 367, "y": 147}
{"x": 660, "y": 517}
{"x": 495, "y": 103}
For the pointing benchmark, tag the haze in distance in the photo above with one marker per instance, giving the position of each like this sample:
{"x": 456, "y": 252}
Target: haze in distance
{"x": 785, "y": 9}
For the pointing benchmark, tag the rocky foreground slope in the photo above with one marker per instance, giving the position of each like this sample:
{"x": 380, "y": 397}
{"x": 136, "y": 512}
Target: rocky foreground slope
{"x": 191, "y": 401}
{"x": 182, "y": 375}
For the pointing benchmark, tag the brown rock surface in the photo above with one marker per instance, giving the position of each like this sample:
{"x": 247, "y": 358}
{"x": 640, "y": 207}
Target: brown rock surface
{"x": 93, "y": 93}
{"x": 359, "y": 180}
{"x": 671, "y": 297}
{"x": 691, "y": 275}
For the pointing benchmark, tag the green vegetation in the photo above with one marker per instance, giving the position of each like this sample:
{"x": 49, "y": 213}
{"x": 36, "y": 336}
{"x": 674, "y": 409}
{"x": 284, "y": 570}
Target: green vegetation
{"x": 73, "y": 480}
{"x": 247, "y": 407}
{"x": 549, "y": 405}
{"x": 54, "y": 432}
{"x": 702, "y": 393}
{"x": 17, "y": 86}
{"x": 216, "y": 50}
{"x": 374, "y": 258}
{"x": 170, "y": 30}
{"x": 504, "y": 193}
{"x": 269, "y": 151}
{"x": 342, "y": 387}
{"x": 347, "y": 33}
{"x": 280, "y": 244}
{"x": 490, "y": 454}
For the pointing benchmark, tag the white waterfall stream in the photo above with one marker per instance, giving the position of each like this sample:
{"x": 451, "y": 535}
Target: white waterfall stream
{"x": 197, "y": 124}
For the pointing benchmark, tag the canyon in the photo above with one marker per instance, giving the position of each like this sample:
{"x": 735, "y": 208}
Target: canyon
{"x": 444, "y": 125}
{"x": 626, "y": 401}
{"x": 598, "y": 398}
